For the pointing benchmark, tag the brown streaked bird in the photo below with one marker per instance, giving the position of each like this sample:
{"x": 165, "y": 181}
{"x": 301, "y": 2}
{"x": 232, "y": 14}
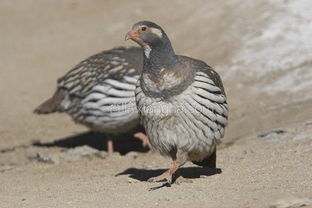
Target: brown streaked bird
{"x": 181, "y": 102}
{"x": 99, "y": 93}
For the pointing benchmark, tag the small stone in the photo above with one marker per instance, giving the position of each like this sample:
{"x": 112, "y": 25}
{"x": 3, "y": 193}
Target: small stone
{"x": 291, "y": 203}
{"x": 131, "y": 181}
{"x": 132, "y": 154}
{"x": 271, "y": 133}
{"x": 115, "y": 154}
{"x": 45, "y": 159}
{"x": 203, "y": 176}
{"x": 8, "y": 149}
{"x": 147, "y": 166}
{"x": 82, "y": 151}
{"x": 102, "y": 154}
{"x": 308, "y": 123}
{"x": 4, "y": 168}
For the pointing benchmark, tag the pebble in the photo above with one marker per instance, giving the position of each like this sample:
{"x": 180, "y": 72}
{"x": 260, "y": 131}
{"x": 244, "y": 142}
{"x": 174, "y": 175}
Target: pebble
{"x": 291, "y": 203}
{"x": 308, "y": 123}
{"x": 102, "y": 154}
{"x": 132, "y": 154}
{"x": 71, "y": 154}
{"x": 271, "y": 133}
{"x": 45, "y": 159}
{"x": 131, "y": 181}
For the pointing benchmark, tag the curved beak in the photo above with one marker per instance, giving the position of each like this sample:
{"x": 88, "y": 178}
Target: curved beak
{"x": 132, "y": 34}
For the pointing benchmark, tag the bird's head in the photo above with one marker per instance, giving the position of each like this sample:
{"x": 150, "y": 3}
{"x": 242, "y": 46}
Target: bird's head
{"x": 148, "y": 35}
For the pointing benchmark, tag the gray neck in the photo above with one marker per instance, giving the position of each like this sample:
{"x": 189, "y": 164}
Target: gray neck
{"x": 158, "y": 56}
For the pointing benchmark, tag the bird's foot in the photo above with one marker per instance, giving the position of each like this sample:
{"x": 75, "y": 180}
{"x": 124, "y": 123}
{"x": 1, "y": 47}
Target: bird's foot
{"x": 143, "y": 138}
{"x": 165, "y": 177}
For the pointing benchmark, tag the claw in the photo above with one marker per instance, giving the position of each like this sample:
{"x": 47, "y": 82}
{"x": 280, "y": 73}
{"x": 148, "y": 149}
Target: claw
{"x": 165, "y": 177}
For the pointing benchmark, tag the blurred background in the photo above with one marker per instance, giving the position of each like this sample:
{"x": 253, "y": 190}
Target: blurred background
{"x": 262, "y": 50}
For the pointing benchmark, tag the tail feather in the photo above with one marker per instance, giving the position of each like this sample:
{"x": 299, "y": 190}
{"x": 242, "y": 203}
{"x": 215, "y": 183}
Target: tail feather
{"x": 52, "y": 104}
{"x": 210, "y": 161}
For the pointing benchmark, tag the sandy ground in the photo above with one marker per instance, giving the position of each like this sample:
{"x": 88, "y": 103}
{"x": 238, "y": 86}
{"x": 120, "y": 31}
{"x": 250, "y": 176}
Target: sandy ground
{"x": 265, "y": 158}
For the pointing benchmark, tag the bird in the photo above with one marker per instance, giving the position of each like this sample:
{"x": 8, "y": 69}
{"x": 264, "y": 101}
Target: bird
{"x": 181, "y": 102}
{"x": 99, "y": 93}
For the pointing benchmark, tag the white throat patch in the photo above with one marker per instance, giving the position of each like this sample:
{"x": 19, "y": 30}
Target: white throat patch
{"x": 157, "y": 32}
{"x": 147, "y": 50}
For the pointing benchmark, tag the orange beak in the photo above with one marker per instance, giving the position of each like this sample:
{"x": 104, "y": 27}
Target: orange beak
{"x": 132, "y": 34}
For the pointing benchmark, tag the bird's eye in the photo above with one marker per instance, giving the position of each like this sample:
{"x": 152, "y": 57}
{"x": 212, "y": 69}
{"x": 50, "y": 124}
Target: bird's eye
{"x": 143, "y": 28}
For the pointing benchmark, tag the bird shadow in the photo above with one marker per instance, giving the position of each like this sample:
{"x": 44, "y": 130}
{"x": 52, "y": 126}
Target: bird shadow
{"x": 188, "y": 172}
{"x": 124, "y": 144}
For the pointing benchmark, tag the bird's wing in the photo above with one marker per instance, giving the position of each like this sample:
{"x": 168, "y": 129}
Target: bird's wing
{"x": 112, "y": 64}
{"x": 205, "y": 102}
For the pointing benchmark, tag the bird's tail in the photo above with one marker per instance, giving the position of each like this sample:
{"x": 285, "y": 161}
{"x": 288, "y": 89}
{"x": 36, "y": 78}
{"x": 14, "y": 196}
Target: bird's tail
{"x": 210, "y": 161}
{"x": 52, "y": 104}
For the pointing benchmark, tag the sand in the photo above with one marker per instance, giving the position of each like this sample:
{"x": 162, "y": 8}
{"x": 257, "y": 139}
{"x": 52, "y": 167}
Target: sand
{"x": 263, "y": 58}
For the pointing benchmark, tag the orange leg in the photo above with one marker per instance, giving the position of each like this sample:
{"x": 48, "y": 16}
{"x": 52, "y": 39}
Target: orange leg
{"x": 110, "y": 146}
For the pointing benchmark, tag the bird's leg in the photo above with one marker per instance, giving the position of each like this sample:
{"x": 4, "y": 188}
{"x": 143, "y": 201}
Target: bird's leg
{"x": 110, "y": 146}
{"x": 144, "y": 138}
{"x": 179, "y": 159}
{"x": 182, "y": 157}
{"x": 166, "y": 176}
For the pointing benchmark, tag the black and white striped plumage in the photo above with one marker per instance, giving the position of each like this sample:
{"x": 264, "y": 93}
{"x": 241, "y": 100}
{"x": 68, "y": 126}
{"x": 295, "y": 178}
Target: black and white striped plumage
{"x": 181, "y": 101}
{"x": 99, "y": 91}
